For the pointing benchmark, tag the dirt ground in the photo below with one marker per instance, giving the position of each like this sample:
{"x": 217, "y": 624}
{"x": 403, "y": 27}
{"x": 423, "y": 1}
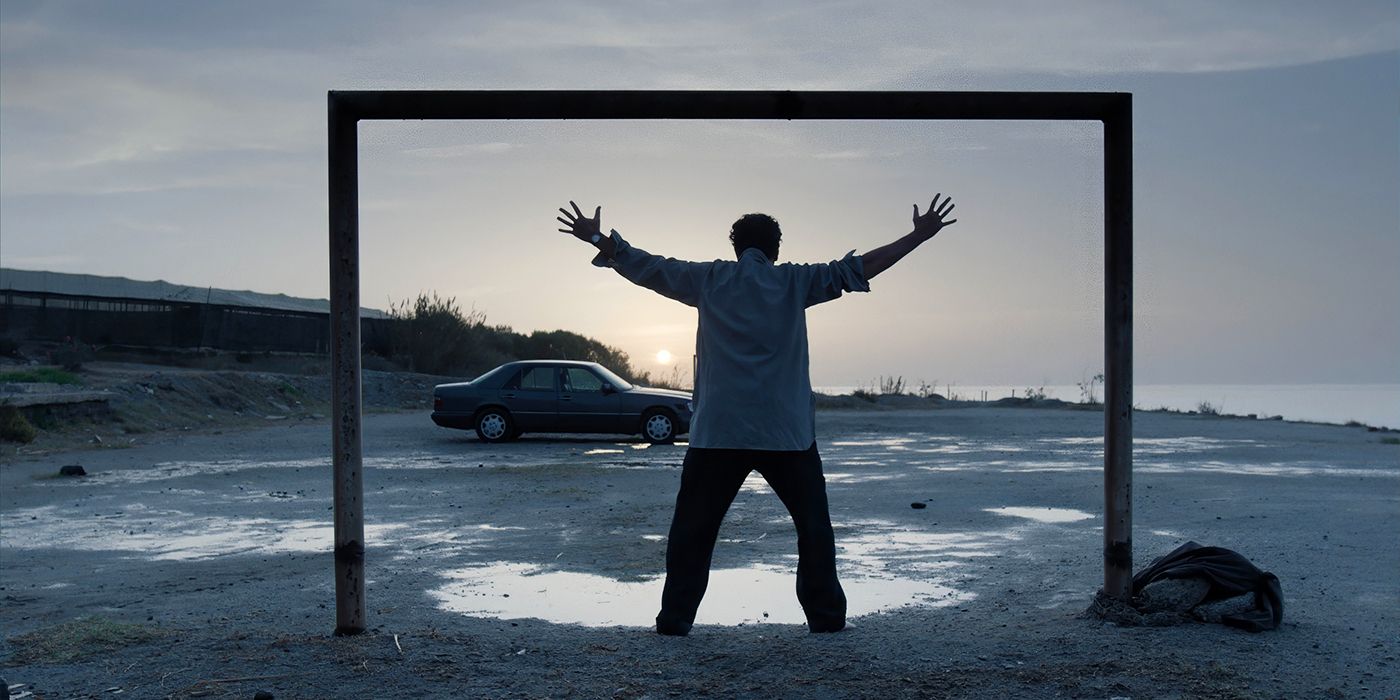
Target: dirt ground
{"x": 199, "y": 565}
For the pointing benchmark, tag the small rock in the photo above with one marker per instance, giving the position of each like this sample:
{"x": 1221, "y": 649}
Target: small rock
{"x": 72, "y": 470}
{"x": 1214, "y": 611}
{"x": 262, "y": 695}
{"x": 918, "y": 506}
{"x": 1172, "y": 595}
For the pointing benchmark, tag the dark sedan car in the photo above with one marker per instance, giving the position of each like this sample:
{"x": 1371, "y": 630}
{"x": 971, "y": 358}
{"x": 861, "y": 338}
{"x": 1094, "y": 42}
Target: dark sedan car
{"x": 559, "y": 396}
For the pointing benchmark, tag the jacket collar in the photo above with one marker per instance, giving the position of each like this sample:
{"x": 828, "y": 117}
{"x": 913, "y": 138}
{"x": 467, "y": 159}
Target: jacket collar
{"x": 754, "y": 253}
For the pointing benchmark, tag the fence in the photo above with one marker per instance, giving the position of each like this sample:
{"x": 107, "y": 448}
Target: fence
{"x": 47, "y": 316}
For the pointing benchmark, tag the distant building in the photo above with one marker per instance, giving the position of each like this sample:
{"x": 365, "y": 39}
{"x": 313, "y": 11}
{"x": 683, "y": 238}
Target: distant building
{"x": 116, "y": 311}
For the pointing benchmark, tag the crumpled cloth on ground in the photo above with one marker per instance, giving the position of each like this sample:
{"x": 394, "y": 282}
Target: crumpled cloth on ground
{"x": 1219, "y": 574}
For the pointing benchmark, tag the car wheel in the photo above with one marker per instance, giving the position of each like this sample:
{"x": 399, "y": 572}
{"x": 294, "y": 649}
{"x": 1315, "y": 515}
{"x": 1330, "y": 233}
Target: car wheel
{"x": 494, "y": 425}
{"x": 658, "y": 426}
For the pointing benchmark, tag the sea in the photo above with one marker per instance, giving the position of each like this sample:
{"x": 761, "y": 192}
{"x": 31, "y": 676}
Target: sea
{"x": 1371, "y": 404}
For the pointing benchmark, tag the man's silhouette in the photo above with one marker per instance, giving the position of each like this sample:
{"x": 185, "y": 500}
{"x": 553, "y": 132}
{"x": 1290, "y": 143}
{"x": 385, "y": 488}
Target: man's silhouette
{"x": 754, "y": 407}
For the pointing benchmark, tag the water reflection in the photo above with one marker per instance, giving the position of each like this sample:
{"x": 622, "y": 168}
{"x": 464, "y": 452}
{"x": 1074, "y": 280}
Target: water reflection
{"x": 1042, "y": 515}
{"x": 758, "y": 594}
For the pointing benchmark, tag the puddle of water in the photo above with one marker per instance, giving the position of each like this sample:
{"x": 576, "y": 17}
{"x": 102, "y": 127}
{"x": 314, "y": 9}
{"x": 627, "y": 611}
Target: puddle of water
{"x": 883, "y": 566}
{"x": 846, "y": 478}
{"x": 1285, "y": 469}
{"x": 171, "y": 535}
{"x": 886, "y": 442}
{"x": 735, "y": 596}
{"x": 883, "y": 549}
{"x": 755, "y": 484}
{"x": 1042, "y": 515}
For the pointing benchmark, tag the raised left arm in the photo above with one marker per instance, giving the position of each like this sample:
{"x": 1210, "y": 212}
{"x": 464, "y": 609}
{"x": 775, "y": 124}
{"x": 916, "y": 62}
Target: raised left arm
{"x": 676, "y": 279}
{"x": 925, "y": 227}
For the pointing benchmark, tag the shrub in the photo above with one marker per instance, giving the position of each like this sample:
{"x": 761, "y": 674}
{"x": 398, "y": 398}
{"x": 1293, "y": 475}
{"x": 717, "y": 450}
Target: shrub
{"x": 1206, "y": 408}
{"x": 1088, "y": 389}
{"x": 891, "y": 386}
{"x": 14, "y": 427}
{"x": 72, "y": 356}
{"x": 671, "y": 380}
{"x": 434, "y": 335}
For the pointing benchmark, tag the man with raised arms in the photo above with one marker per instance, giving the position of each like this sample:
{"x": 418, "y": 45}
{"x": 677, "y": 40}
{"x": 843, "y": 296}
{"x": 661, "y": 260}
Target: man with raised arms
{"x": 754, "y": 408}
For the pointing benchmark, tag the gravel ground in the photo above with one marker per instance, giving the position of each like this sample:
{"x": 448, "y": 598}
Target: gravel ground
{"x": 199, "y": 566}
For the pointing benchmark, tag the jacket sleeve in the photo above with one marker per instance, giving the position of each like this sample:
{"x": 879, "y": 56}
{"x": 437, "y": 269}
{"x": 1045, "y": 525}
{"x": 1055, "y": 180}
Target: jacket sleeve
{"x": 677, "y": 279}
{"x": 826, "y": 281}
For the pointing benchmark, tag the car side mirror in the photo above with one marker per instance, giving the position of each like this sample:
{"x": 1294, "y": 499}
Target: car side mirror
{"x": 609, "y": 389}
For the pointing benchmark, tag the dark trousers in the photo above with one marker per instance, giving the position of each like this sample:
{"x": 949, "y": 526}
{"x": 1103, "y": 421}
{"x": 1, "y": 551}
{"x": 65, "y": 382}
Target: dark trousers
{"x": 709, "y": 481}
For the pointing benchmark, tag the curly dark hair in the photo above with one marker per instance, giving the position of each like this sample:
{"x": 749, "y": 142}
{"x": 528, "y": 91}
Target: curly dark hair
{"x": 756, "y": 231}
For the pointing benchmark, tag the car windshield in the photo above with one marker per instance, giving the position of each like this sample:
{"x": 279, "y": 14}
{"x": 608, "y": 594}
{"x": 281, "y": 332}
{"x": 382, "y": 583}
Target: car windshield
{"x": 617, "y": 381}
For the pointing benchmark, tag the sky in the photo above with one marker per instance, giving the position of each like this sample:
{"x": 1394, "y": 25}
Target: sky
{"x": 186, "y": 142}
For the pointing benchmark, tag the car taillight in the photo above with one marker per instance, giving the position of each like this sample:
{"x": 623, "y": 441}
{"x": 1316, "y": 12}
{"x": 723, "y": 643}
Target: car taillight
{"x": 437, "y": 403}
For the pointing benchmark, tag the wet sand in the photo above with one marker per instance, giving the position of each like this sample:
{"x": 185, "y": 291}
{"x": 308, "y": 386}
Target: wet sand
{"x": 531, "y": 569}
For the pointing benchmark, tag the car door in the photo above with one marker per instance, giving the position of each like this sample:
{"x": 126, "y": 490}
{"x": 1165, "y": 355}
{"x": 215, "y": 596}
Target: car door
{"x": 585, "y": 404}
{"x": 532, "y": 396}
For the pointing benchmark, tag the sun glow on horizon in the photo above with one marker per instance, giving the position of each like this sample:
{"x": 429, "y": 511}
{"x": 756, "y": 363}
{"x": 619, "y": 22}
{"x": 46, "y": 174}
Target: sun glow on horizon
{"x": 664, "y": 357}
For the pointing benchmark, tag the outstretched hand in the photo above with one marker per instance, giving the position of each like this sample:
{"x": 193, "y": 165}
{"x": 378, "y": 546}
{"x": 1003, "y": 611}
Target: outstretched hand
{"x": 930, "y": 223}
{"x": 578, "y": 225}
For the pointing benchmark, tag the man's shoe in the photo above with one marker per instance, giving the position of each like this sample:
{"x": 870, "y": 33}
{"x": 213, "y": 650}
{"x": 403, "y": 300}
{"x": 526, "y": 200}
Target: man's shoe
{"x": 828, "y": 628}
{"x": 672, "y": 629}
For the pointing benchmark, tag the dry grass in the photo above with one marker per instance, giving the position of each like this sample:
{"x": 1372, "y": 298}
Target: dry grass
{"x": 70, "y": 640}
{"x": 48, "y": 375}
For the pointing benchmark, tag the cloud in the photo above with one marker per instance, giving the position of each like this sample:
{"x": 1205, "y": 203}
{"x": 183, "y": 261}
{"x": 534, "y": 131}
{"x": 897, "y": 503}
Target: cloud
{"x": 853, "y": 154}
{"x": 44, "y": 262}
{"x": 462, "y": 150}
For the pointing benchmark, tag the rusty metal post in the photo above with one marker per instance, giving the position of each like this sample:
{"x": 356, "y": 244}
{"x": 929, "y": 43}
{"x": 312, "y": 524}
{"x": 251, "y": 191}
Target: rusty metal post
{"x": 346, "y": 458}
{"x": 1118, "y": 350}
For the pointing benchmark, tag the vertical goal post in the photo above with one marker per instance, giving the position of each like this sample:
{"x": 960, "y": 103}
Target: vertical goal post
{"x": 347, "y": 108}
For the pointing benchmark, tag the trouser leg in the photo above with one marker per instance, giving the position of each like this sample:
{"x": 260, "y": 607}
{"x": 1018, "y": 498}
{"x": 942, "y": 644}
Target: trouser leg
{"x": 709, "y": 481}
{"x": 797, "y": 479}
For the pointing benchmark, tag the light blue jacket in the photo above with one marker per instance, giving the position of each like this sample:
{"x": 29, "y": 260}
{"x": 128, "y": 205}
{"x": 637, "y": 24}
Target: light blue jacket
{"x": 753, "y": 388}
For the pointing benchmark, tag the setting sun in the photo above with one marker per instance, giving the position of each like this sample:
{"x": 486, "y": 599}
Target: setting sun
{"x": 664, "y": 357}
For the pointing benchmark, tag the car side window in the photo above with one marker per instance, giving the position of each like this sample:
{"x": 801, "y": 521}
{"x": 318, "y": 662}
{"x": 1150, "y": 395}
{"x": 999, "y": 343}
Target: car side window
{"x": 581, "y": 380}
{"x": 537, "y": 379}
